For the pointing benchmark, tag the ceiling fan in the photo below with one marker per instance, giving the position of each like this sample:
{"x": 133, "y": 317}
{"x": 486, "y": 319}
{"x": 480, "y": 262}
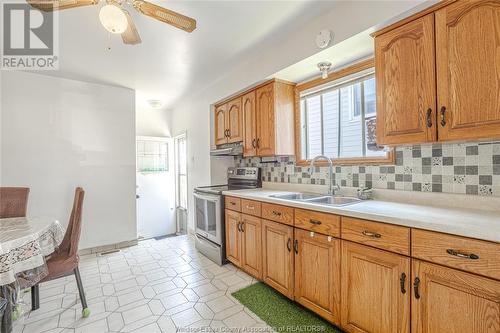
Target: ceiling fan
{"x": 117, "y": 20}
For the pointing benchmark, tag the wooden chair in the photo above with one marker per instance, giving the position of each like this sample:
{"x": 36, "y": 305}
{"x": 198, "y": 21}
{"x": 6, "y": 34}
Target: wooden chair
{"x": 65, "y": 260}
{"x": 13, "y": 201}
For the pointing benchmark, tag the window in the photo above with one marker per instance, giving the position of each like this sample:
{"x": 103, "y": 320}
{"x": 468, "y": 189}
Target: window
{"x": 339, "y": 121}
{"x": 152, "y": 156}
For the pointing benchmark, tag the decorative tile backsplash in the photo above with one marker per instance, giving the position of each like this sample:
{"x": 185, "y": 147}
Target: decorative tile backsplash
{"x": 470, "y": 168}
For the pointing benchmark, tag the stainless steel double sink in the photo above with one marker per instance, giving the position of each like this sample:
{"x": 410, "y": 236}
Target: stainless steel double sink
{"x": 319, "y": 199}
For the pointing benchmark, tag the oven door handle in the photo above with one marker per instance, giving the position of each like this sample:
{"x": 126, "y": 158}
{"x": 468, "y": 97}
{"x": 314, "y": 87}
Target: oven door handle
{"x": 212, "y": 198}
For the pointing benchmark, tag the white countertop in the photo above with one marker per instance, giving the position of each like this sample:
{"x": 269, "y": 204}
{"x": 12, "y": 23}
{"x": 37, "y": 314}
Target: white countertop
{"x": 474, "y": 223}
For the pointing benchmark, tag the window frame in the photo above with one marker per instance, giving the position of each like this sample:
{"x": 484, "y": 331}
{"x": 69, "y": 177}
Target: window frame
{"x": 317, "y": 82}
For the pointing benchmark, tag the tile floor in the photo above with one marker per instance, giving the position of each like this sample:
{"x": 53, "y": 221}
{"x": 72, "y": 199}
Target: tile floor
{"x": 156, "y": 286}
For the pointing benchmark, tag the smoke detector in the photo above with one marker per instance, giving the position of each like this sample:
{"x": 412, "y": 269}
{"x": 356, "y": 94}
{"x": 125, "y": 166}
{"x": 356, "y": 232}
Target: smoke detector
{"x": 324, "y": 67}
{"x": 155, "y": 103}
{"x": 323, "y": 38}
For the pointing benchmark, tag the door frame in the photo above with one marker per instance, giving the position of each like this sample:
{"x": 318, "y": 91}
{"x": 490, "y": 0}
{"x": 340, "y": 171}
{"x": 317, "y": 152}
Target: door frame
{"x": 176, "y": 138}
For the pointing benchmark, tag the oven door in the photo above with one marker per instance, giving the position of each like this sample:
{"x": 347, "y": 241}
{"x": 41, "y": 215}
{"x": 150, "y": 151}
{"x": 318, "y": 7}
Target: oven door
{"x": 208, "y": 216}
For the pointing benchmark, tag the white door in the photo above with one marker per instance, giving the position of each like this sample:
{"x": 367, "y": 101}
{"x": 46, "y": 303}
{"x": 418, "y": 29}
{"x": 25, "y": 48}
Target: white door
{"x": 155, "y": 187}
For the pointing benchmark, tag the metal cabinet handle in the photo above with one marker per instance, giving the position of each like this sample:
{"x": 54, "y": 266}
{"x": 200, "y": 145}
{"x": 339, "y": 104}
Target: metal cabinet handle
{"x": 443, "y": 121}
{"x": 315, "y": 222}
{"x": 225, "y": 133}
{"x": 462, "y": 254}
{"x": 296, "y": 246}
{"x": 429, "y": 119}
{"x": 402, "y": 282}
{"x": 233, "y": 203}
{"x": 416, "y": 284}
{"x": 289, "y": 245}
{"x": 254, "y": 144}
{"x": 242, "y": 226}
{"x": 250, "y": 207}
{"x": 371, "y": 234}
{"x": 276, "y": 213}
{"x": 257, "y": 143}
{"x": 239, "y": 226}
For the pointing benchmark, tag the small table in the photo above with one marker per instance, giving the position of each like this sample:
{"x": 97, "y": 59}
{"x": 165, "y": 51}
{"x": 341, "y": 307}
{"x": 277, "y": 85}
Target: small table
{"x": 24, "y": 244}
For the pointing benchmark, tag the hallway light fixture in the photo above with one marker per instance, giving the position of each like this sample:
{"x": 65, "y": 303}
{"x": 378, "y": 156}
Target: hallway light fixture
{"x": 155, "y": 103}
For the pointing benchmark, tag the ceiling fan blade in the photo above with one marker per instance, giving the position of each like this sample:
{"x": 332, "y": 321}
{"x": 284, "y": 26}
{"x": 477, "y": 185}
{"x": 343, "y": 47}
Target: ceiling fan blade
{"x": 52, "y": 5}
{"x": 131, "y": 35}
{"x": 165, "y": 15}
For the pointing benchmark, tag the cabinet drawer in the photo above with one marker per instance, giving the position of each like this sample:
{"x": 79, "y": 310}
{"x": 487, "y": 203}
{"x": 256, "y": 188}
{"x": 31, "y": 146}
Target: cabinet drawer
{"x": 468, "y": 254}
{"x": 233, "y": 203}
{"x": 277, "y": 213}
{"x": 250, "y": 207}
{"x": 327, "y": 224}
{"x": 381, "y": 235}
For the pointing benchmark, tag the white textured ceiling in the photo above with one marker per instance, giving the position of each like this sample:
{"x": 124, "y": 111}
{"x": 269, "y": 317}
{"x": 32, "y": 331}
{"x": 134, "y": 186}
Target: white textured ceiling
{"x": 170, "y": 63}
{"x": 357, "y": 47}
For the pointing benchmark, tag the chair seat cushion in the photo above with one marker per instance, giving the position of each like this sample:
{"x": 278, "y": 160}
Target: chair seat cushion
{"x": 59, "y": 265}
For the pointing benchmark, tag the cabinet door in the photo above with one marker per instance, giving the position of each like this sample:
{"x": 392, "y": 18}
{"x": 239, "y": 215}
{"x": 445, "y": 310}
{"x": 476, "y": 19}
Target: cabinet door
{"x": 265, "y": 120}
{"x": 375, "y": 290}
{"x": 234, "y": 120}
{"x": 317, "y": 274}
{"x": 249, "y": 124}
{"x": 406, "y": 84}
{"x": 251, "y": 247}
{"x": 233, "y": 237}
{"x": 220, "y": 125}
{"x": 468, "y": 67}
{"x": 277, "y": 256}
{"x": 453, "y": 301}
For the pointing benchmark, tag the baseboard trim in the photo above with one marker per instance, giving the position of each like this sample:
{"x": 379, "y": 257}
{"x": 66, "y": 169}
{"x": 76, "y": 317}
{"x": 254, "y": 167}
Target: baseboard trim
{"x": 105, "y": 248}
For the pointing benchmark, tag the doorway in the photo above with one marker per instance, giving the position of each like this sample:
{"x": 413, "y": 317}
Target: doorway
{"x": 181, "y": 182}
{"x": 155, "y": 191}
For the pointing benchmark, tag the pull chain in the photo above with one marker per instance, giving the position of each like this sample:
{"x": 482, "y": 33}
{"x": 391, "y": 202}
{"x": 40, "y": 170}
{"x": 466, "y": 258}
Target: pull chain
{"x": 109, "y": 41}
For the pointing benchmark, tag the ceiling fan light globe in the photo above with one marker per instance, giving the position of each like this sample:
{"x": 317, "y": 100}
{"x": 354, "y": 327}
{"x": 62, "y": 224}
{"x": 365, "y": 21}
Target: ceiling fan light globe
{"x": 113, "y": 19}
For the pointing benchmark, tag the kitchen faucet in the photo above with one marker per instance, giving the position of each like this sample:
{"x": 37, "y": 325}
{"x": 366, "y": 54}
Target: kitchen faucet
{"x": 331, "y": 189}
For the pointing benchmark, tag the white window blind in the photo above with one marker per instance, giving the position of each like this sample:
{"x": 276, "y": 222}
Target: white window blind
{"x": 335, "y": 119}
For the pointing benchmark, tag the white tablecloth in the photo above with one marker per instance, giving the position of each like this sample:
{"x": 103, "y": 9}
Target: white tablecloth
{"x": 24, "y": 242}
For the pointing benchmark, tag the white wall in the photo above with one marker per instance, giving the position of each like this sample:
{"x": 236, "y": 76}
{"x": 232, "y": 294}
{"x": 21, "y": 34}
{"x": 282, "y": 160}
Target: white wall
{"x": 153, "y": 122}
{"x": 346, "y": 19}
{"x": 57, "y": 134}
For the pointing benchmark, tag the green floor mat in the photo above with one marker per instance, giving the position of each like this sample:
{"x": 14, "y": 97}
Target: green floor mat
{"x": 282, "y": 314}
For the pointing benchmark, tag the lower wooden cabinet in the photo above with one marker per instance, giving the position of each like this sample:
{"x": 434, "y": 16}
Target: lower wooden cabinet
{"x": 233, "y": 242}
{"x": 448, "y": 300}
{"x": 375, "y": 290}
{"x": 251, "y": 247}
{"x": 317, "y": 273}
{"x": 277, "y": 256}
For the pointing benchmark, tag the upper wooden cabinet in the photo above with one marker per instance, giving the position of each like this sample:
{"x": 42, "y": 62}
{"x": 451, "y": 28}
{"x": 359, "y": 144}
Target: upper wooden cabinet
{"x": 228, "y": 122}
{"x": 448, "y": 300}
{"x": 375, "y": 290}
{"x": 234, "y": 120}
{"x": 262, "y": 118}
{"x": 249, "y": 124}
{"x": 406, "y": 90}
{"x": 274, "y": 124}
{"x": 437, "y": 75}
{"x": 317, "y": 273}
{"x": 468, "y": 70}
{"x": 220, "y": 124}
